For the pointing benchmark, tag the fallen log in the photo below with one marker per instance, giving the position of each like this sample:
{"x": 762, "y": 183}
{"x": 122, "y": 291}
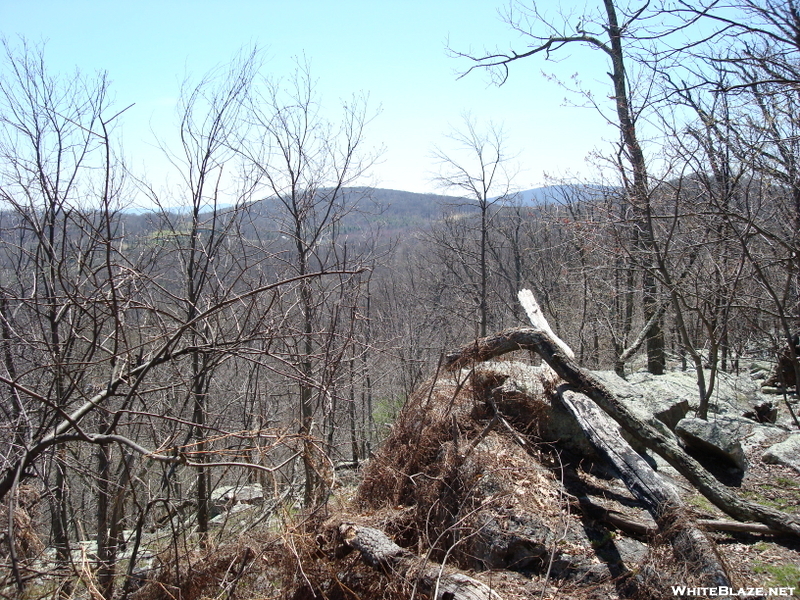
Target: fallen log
{"x": 615, "y": 519}
{"x": 533, "y": 338}
{"x": 636, "y": 527}
{"x": 437, "y": 581}
{"x": 659, "y": 497}
{"x": 736, "y": 527}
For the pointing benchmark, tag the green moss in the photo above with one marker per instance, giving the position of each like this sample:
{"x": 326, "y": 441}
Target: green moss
{"x": 761, "y": 546}
{"x": 599, "y": 542}
{"x": 779, "y": 575}
{"x": 786, "y": 482}
{"x": 701, "y": 503}
{"x": 788, "y": 503}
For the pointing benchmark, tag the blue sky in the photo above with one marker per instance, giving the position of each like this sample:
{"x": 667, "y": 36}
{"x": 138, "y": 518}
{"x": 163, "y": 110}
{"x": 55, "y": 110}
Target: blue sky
{"x": 395, "y": 51}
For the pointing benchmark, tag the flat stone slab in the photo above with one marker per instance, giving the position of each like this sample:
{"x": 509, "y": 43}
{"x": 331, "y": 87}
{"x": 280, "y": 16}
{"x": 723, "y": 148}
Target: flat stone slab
{"x": 785, "y": 453}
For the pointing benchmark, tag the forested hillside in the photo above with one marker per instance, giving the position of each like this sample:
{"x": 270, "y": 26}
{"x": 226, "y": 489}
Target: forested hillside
{"x": 262, "y": 318}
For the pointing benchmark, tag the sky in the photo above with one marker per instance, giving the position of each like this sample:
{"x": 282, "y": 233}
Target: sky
{"x": 394, "y": 51}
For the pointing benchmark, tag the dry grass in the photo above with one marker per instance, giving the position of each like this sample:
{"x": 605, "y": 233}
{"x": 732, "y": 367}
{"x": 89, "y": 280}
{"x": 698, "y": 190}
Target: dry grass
{"x": 410, "y": 460}
{"x": 207, "y": 574}
{"x": 453, "y": 489}
{"x": 303, "y": 561}
{"x": 27, "y": 544}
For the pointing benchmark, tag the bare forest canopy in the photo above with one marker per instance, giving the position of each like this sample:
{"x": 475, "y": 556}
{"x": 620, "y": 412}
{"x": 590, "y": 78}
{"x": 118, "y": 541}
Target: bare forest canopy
{"x": 262, "y": 324}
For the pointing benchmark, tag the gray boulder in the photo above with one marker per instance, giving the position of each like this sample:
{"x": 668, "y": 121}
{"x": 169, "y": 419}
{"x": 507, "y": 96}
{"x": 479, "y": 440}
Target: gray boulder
{"x": 719, "y": 436}
{"x": 232, "y": 494}
{"x": 516, "y": 387}
{"x": 662, "y": 401}
{"x": 732, "y": 395}
{"x": 785, "y": 453}
{"x": 521, "y": 397}
{"x": 225, "y": 497}
{"x": 650, "y": 401}
{"x": 239, "y": 515}
{"x": 659, "y": 410}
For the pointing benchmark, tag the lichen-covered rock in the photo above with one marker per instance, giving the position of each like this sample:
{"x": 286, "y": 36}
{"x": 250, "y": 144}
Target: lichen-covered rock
{"x": 785, "y": 453}
{"x": 666, "y": 404}
{"x": 519, "y": 393}
{"x": 732, "y": 395}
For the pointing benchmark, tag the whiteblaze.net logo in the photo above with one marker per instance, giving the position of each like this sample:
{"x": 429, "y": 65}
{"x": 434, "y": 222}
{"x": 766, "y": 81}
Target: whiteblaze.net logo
{"x": 683, "y": 590}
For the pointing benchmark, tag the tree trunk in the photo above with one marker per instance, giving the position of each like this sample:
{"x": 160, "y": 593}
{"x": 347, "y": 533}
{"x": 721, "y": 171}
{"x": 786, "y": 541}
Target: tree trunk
{"x": 640, "y": 198}
{"x": 105, "y": 569}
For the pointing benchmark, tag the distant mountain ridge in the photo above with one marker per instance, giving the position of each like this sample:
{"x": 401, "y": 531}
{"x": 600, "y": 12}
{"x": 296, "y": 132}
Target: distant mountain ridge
{"x": 399, "y": 209}
{"x": 426, "y": 206}
{"x": 550, "y": 194}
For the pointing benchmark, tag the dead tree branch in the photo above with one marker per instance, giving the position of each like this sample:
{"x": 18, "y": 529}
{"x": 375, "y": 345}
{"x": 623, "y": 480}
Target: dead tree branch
{"x": 382, "y": 553}
{"x": 661, "y": 499}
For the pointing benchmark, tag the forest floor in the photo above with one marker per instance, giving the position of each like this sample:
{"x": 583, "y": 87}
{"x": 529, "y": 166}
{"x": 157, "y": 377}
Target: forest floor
{"x": 761, "y": 560}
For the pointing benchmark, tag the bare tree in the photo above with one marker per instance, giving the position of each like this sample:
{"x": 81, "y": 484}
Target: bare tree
{"x": 600, "y": 30}
{"x": 747, "y": 65}
{"x": 59, "y": 192}
{"x": 477, "y": 168}
{"x": 121, "y": 350}
{"x": 201, "y": 229}
{"x": 305, "y": 164}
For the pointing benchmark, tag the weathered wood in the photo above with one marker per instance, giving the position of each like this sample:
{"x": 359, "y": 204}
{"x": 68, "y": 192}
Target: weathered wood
{"x": 441, "y": 583}
{"x": 631, "y": 526}
{"x": 636, "y": 527}
{"x": 736, "y": 526}
{"x": 539, "y": 321}
{"x": 528, "y": 338}
{"x": 659, "y": 497}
